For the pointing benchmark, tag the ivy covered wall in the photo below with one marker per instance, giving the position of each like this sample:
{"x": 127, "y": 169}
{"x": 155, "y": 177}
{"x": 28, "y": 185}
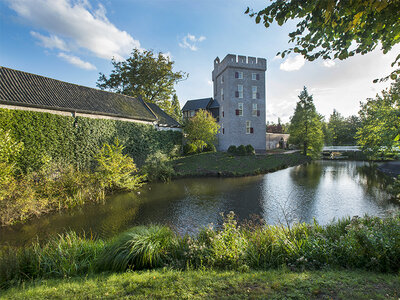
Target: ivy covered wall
{"x": 76, "y": 140}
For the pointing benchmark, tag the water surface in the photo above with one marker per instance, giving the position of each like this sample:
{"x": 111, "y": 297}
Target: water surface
{"x": 324, "y": 190}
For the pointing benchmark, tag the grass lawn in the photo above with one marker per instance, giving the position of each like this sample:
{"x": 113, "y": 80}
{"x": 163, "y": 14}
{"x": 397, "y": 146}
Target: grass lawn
{"x": 224, "y": 164}
{"x": 159, "y": 284}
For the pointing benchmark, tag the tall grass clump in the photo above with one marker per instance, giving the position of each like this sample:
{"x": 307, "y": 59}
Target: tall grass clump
{"x": 62, "y": 256}
{"x": 140, "y": 247}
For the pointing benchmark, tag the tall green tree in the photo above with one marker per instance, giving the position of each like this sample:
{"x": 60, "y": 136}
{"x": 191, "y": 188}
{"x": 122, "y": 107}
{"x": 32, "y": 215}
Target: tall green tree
{"x": 336, "y": 28}
{"x": 306, "y": 126}
{"x": 146, "y": 75}
{"x": 176, "y": 108}
{"x": 201, "y": 129}
{"x": 380, "y": 123}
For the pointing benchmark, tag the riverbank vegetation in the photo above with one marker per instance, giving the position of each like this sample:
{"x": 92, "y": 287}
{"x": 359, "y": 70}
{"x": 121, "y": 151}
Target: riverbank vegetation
{"x": 227, "y": 164}
{"x": 368, "y": 243}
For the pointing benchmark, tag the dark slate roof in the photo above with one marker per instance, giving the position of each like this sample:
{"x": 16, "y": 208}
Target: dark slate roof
{"x": 197, "y": 104}
{"x": 214, "y": 104}
{"x": 164, "y": 119}
{"x": 30, "y": 90}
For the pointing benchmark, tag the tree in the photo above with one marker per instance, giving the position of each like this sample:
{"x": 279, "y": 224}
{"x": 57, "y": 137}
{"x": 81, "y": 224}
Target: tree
{"x": 380, "y": 123}
{"x": 306, "y": 126}
{"x": 201, "y": 129}
{"x": 176, "y": 108}
{"x": 336, "y": 28}
{"x": 146, "y": 75}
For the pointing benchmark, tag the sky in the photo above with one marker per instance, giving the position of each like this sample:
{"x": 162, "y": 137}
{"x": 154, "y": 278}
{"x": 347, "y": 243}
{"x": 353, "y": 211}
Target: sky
{"x": 74, "y": 40}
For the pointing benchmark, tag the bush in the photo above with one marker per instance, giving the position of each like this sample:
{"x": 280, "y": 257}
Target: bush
{"x": 250, "y": 150}
{"x": 241, "y": 150}
{"x": 189, "y": 149}
{"x": 115, "y": 170}
{"x": 232, "y": 149}
{"x": 140, "y": 247}
{"x": 158, "y": 167}
{"x": 209, "y": 148}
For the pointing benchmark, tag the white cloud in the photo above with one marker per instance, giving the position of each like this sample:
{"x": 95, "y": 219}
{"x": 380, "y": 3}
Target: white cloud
{"x": 51, "y": 41}
{"x": 190, "y": 41}
{"x": 328, "y": 63}
{"x": 77, "y": 22}
{"x": 167, "y": 55}
{"x": 74, "y": 60}
{"x": 209, "y": 82}
{"x": 293, "y": 63}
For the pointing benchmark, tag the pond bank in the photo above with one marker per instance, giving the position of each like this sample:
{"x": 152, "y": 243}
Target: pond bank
{"x": 391, "y": 168}
{"x": 220, "y": 164}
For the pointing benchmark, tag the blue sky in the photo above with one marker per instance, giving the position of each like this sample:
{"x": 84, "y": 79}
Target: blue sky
{"x": 74, "y": 40}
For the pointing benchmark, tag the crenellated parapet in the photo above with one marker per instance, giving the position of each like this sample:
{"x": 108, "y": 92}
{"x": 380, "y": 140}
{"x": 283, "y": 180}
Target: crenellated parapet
{"x": 239, "y": 61}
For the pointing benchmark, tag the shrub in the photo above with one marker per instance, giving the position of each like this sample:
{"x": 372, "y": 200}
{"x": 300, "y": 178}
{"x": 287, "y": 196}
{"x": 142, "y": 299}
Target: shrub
{"x": 241, "y": 150}
{"x": 158, "y": 167}
{"x": 189, "y": 149}
{"x": 116, "y": 170}
{"x": 232, "y": 149}
{"x": 209, "y": 148}
{"x": 140, "y": 247}
{"x": 250, "y": 150}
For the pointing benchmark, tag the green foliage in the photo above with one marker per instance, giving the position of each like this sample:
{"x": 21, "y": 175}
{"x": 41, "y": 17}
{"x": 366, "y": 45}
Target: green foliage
{"x": 145, "y": 75}
{"x": 380, "y": 123}
{"x": 201, "y": 129}
{"x": 76, "y": 141}
{"x": 176, "y": 109}
{"x": 341, "y": 131}
{"x": 9, "y": 151}
{"x": 369, "y": 243}
{"x": 158, "y": 167}
{"x": 250, "y": 150}
{"x": 62, "y": 256}
{"x": 209, "y": 148}
{"x": 306, "y": 126}
{"x": 115, "y": 170}
{"x": 189, "y": 149}
{"x": 241, "y": 150}
{"x": 336, "y": 29}
{"x": 232, "y": 149}
{"x": 138, "y": 248}
{"x": 394, "y": 188}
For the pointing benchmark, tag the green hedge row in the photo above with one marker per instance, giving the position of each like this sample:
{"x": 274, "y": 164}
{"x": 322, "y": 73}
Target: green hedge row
{"x": 75, "y": 140}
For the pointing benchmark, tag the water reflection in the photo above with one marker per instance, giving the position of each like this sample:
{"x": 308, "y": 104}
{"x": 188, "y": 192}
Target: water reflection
{"x": 323, "y": 190}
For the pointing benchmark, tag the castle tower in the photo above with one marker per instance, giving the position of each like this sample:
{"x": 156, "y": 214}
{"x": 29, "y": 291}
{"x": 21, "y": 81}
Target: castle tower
{"x": 239, "y": 88}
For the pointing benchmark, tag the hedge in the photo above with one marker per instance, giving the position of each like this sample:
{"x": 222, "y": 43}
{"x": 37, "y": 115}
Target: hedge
{"x": 76, "y": 140}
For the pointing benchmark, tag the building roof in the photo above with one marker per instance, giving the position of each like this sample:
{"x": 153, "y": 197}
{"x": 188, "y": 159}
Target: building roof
{"x": 197, "y": 104}
{"x": 25, "y": 89}
{"x": 214, "y": 104}
{"x": 164, "y": 119}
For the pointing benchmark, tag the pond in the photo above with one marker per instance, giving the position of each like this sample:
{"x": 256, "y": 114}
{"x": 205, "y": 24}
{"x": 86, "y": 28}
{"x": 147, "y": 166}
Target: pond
{"x": 324, "y": 190}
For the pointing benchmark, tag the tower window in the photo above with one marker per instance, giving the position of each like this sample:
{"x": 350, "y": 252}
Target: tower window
{"x": 240, "y": 109}
{"x": 254, "y": 111}
{"x": 254, "y": 92}
{"x": 248, "y": 127}
{"x": 239, "y": 92}
{"x": 222, "y": 94}
{"x": 239, "y": 75}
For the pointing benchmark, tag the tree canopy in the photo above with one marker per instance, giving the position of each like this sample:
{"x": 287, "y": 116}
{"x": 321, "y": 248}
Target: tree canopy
{"x": 146, "y": 75}
{"x": 336, "y": 28}
{"x": 306, "y": 126}
{"x": 176, "y": 108}
{"x": 380, "y": 123}
{"x": 340, "y": 130}
{"x": 201, "y": 129}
